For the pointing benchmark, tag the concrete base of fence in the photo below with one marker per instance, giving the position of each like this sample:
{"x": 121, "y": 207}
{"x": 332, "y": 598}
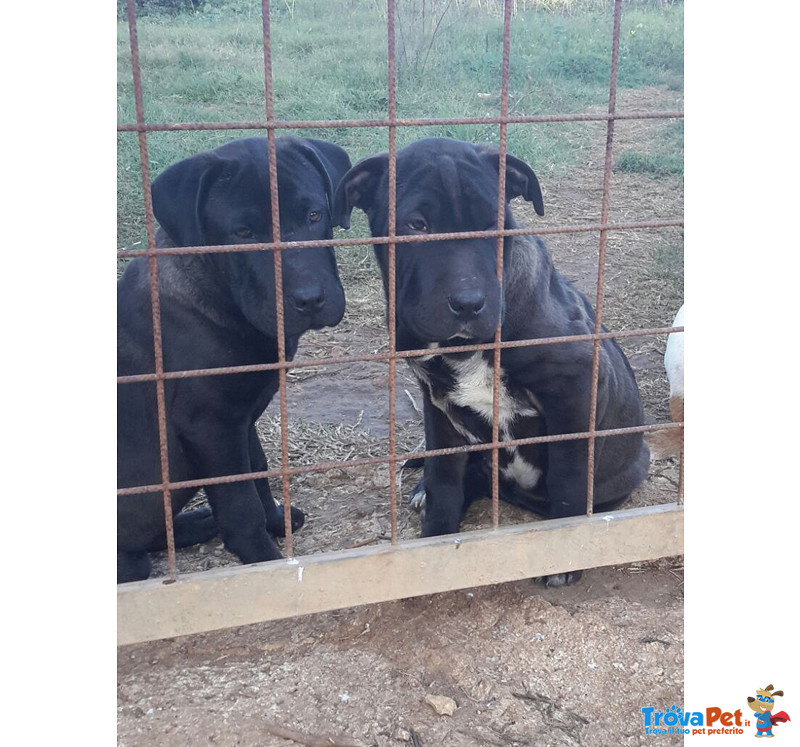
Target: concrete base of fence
{"x": 240, "y": 595}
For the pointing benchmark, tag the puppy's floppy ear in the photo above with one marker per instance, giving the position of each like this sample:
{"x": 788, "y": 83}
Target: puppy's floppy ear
{"x": 331, "y": 161}
{"x": 334, "y": 159}
{"x": 179, "y": 197}
{"x": 520, "y": 179}
{"x": 357, "y": 188}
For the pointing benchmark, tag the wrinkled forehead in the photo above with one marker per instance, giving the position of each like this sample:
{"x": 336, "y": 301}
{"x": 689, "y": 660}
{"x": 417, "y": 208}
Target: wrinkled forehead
{"x": 244, "y": 198}
{"x": 295, "y": 168}
{"x": 459, "y": 188}
{"x": 298, "y": 183}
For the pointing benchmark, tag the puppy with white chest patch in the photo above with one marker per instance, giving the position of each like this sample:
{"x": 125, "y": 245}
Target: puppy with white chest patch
{"x": 448, "y": 294}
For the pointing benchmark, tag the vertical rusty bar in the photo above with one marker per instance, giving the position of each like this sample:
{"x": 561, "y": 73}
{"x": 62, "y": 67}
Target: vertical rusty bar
{"x": 278, "y": 264}
{"x": 392, "y": 279}
{"x": 155, "y": 301}
{"x": 501, "y": 218}
{"x": 680, "y": 473}
{"x": 598, "y": 323}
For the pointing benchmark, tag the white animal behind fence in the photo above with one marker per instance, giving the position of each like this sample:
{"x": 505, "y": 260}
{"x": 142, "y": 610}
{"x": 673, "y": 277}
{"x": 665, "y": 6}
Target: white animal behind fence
{"x": 668, "y": 443}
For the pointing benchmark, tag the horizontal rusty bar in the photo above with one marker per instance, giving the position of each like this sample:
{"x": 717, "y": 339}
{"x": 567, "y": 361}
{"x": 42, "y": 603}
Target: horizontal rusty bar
{"x": 254, "y": 368}
{"x": 402, "y": 122}
{"x": 328, "y": 466}
{"x": 372, "y": 240}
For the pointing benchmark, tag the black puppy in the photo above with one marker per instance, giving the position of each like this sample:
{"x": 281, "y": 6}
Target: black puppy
{"x": 219, "y": 310}
{"x": 448, "y": 294}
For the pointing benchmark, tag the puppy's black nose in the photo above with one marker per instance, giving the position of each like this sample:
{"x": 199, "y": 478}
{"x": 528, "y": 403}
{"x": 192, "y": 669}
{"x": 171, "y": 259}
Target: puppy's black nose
{"x": 467, "y": 303}
{"x": 309, "y": 299}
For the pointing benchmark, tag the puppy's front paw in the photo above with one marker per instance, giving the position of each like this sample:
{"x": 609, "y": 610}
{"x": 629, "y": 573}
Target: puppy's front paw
{"x": 195, "y": 526}
{"x": 416, "y": 500}
{"x": 275, "y": 523}
{"x": 560, "y": 579}
{"x": 298, "y": 518}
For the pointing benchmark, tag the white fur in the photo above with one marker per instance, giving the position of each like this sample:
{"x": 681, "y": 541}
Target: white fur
{"x": 669, "y": 443}
{"x": 522, "y": 473}
{"x": 673, "y": 358}
{"x": 475, "y": 390}
{"x": 417, "y": 500}
{"x": 430, "y": 346}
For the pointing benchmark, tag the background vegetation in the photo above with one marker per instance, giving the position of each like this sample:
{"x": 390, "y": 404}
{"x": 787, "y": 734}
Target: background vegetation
{"x": 202, "y": 61}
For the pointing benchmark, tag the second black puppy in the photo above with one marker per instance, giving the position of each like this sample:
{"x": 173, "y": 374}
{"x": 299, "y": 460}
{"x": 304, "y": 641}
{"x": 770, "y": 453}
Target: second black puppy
{"x": 219, "y": 310}
{"x": 448, "y": 294}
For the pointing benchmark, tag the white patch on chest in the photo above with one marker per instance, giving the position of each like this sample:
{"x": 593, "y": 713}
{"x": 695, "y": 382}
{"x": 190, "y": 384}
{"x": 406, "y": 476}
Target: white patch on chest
{"x": 474, "y": 388}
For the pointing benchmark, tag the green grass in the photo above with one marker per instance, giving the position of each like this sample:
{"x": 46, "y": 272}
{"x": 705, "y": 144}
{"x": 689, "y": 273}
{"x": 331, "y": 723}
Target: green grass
{"x": 329, "y": 62}
{"x": 666, "y": 158}
{"x": 668, "y": 265}
{"x": 659, "y": 164}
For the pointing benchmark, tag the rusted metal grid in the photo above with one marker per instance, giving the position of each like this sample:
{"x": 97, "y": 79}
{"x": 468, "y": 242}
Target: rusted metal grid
{"x": 277, "y": 246}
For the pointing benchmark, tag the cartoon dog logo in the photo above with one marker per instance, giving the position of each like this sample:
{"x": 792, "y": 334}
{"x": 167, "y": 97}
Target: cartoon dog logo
{"x": 763, "y": 704}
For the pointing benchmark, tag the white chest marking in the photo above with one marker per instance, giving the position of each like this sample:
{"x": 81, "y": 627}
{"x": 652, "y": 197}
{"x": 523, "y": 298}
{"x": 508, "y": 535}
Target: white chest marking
{"x": 474, "y": 389}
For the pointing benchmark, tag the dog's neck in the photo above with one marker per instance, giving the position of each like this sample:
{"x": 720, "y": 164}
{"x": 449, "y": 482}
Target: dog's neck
{"x": 184, "y": 279}
{"x": 527, "y": 264}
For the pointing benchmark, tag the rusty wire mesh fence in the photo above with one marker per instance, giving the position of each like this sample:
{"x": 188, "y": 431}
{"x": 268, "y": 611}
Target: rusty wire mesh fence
{"x": 395, "y": 243}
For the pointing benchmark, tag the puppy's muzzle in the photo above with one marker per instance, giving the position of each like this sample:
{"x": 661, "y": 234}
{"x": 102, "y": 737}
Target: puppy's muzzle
{"x": 467, "y": 304}
{"x": 309, "y": 299}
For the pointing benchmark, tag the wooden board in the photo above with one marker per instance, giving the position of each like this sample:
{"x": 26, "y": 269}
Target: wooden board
{"x": 240, "y": 595}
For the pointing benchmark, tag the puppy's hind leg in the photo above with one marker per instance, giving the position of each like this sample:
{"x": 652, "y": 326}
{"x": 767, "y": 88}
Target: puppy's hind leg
{"x": 194, "y": 527}
{"x": 132, "y": 566}
{"x": 189, "y": 528}
{"x": 478, "y": 479}
{"x": 555, "y": 580}
{"x": 477, "y": 485}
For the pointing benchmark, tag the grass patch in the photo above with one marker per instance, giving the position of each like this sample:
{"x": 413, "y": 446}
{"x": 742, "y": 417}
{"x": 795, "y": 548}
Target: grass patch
{"x": 658, "y": 164}
{"x": 666, "y": 158}
{"x": 668, "y": 266}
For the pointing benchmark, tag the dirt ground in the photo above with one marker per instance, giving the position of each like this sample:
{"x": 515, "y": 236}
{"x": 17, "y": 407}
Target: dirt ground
{"x": 526, "y": 665}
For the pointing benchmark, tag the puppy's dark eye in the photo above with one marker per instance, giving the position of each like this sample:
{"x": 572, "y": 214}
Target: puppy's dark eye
{"x": 418, "y": 224}
{"x": 314, "y": 216}
{"x": 244, "y": 233}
